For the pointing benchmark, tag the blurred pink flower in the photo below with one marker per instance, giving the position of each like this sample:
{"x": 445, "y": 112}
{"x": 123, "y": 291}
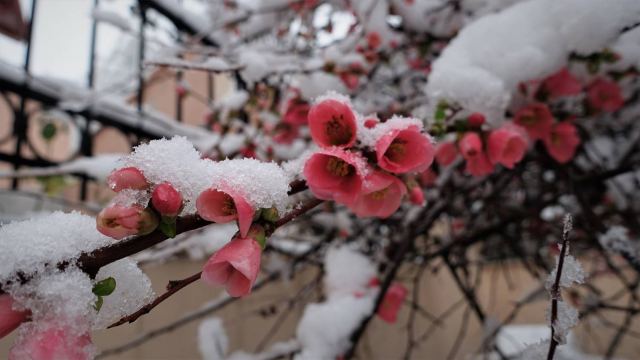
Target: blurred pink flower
{"x": 562, "y": 83}
{"x": 406, "y": 150}
{"x": 536, "y": 118}
{"x": 127, "y": 178}
{"x": 223, "y": 206}
{"x": 52, "y": 343}
{"x": 605, "y": 95}
{"x": 446, "y": 153}
{"x": 236, "y": 265}
{"x": 562, "y": 141}
{"x": 392, "y": 303}
{"x": 332, "y": 123}
{"x": 507, "y": 145}
{"x": 477, "y": 161}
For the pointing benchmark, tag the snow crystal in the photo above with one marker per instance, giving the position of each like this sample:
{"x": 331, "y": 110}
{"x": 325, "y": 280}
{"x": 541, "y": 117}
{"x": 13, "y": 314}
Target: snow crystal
{"x": 133, "y": 291}
{"x": 57, "y": 295}
{"x": 325, "y": 328}
{"x": 536, "y": 351}
{"x": 347, "y": 271}
{"x": 616, "y": 239}
{"x": 28, "y": 246}
{"x": 567, "y": 318}
{"x": 332, "y": 95}
{"x": 212, "y": 339}
{"x": 572, "y": 273}
{"x": 486, "y": 61}
{"x": 369, "y": 137}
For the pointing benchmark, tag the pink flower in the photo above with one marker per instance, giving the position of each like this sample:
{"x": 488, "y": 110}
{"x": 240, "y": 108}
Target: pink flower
{"x": 536, "y": 118}
{"x": 381, "y": 196}
{"x": 507, "y": 145}
{"x": 392, "y": 302}
{"x": 562, "y": 142}
{"x": 9, "y": 318}
{"x": 285, "y": 133}
{"x": 416, "y": 196}
{"x": 225, "y": 205}
{"x": 605, "y": 95}
{"x": 53, "y": 343}
{"x": 371, "y": 122}
{"x": 236, "y": 266}
{"x": 478, "y": 163}
{"x": 127, "y": 178}
{"x": 350, "y": 79}
{"x": 562, "y": 83}
{"x": 402, "y": 151}
{"x": 332, "y": 123}
{"x": 446, "y": 153}
{"x": 428, "y": 178}
{"x": 119, "y": 221}
{"x": 297, "y": 112}
{"x": 374, "y": 40}
{"x": 166, "y": 199}
{"x": 476, "y": 119}
{"x": 335, "y": 174}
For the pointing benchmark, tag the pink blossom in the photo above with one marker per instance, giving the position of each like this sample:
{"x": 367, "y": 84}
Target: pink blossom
{"x": 605, "y": 95}
{"x": 536, "y": 118}
{"x": 236, "y": 266}
{"x": 371, "y": 122}
{"x": 166, "y": 199}
{"x": 406, "y": 150}
{"x": 446, "y": 153}
{"x": 562, "y": 83}
{"x": 118, "y": 221}
{"x": 127, "y": 178}
{"x": 335, "y": 174}
{"x": 297, "y": 112}
{"x": 225, "y": 205}
{"x": 416, "y": 196}
{"x": 477, "y": 161}
{"x": 52, "y": 343}
{"x": 476, "y": 119}
{"x": 507, "y": 145}
{"x": 392, "y": 302}
{"x": 374, "y": 40}
{"x": 562, "y": 141}
{"x": 285, "y": 133}
{"x": 381, "y": 196}
{"x": 350, "y": 79}
{"x": 428, "y": 177}
{"x": 9, "y": 318}
{"x": 332, "y": 123}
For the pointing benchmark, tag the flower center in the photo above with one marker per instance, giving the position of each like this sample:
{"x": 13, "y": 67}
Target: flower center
{"x": 228, "y": 206}
{"x": 337, "y": 132}
{"x": 380, "y": 194}
{"x": 396, "y": 150}
{"x": 339, "y": 167}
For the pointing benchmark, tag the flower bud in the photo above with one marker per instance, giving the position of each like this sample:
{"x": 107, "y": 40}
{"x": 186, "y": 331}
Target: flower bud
{"x": 127, "y": 178}
{"x": 119, "y": 221}
{"x": 166, "y": 200}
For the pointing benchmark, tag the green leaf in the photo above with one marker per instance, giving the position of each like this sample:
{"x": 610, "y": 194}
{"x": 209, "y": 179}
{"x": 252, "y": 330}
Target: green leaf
{"x": 98, "y": 304}
{"x": 48, "y": 131}
{"x": 104, "y": 287}
{"x": 168, "y": 226}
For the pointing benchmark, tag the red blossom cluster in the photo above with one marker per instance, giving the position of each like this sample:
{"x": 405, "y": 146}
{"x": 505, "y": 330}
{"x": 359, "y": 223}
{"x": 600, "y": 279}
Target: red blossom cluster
{"x": 371, "y": 181}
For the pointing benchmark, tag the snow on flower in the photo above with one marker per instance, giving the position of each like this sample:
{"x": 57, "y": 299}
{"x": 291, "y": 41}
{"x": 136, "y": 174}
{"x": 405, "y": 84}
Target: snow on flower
{"x": 10, "y": 318}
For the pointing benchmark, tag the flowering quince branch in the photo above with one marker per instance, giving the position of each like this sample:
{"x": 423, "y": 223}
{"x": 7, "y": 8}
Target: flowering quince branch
{"x": 177, "y": 285}
{"x": 555, "y": 288}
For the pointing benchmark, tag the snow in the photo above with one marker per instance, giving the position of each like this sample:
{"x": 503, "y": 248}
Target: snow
{"x": 212, "y": 339}
{"x": 369, "y": 137}
{"x": 133, "y": 291}
{"x": 98, "y": 167}
{"x": 28, "y": 246}
{"x": 325, "y": 328}
{"x": 232, "y": 101}
{"x": 483, "y": 65}
{"x": 567, "y": 318}
{"x": 347, "y": 271}
{"x": 317, "y": 83}
{"x": 572, "y": 273}
{"x": 111, "y": 18}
